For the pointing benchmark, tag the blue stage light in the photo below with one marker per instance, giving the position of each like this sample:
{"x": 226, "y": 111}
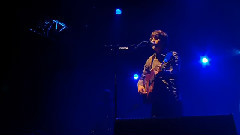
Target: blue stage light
{"x": 204, "y": 60}
{"x": 135, "y": 76}
{"x": 48, "y": 26}
{"x": 62, "y": 25}
{"x": 236, "y": 52}
{"x": 118, "y": 11}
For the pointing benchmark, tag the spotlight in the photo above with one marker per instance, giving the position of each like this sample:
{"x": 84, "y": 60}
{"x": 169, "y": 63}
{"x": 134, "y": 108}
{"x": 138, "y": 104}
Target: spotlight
{"x": 135, "y": 76}
{"x": 236, "y": 52}
{"x": 204, "y": 60}
{"x": 118, "y": 11}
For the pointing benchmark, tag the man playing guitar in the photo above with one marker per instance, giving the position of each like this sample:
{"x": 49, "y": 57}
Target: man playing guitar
{"x": 158, "y": 80}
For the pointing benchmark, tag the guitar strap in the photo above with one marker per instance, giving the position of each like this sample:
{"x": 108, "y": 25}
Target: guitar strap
{"x": 154, "y": 56}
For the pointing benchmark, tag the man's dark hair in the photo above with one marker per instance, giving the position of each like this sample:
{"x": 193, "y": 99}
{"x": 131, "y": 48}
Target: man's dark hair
{"x": 161, "y": 35}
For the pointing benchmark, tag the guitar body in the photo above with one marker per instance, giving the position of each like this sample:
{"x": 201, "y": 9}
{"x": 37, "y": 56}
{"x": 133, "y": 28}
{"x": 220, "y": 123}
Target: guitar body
{"x": 157, "y": 67}
{"x": 148, "y": 83}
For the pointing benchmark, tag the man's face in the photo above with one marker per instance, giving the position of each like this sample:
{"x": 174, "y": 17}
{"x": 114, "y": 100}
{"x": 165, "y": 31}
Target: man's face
{"x": 156, "y": 45}
{"x": 154, "y": 41}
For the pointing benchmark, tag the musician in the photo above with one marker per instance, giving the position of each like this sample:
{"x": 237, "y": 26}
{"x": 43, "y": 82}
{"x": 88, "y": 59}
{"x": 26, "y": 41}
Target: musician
{"x": 163, "y": 65}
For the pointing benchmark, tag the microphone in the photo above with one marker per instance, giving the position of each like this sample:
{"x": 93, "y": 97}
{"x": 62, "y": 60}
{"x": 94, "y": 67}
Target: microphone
{"x": 142, "y": 44}
{"x": 128, "y": 47}
{"x": 134, "y": 46}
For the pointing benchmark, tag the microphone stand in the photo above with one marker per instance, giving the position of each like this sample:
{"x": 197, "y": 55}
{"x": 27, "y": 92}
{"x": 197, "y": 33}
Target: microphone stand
{"x": 115, "y": 50}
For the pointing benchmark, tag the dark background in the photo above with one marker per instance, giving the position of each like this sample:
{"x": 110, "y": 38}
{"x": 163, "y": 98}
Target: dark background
{"x": 64, "y": 83}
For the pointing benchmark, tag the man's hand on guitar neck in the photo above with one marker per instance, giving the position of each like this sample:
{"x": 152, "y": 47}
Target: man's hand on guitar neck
{"x": 141, "y": 89}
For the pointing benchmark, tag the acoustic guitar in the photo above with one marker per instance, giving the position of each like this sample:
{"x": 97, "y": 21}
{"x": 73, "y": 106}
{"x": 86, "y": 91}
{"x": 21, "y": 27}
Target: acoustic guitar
{"x": 148, "y": 82}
